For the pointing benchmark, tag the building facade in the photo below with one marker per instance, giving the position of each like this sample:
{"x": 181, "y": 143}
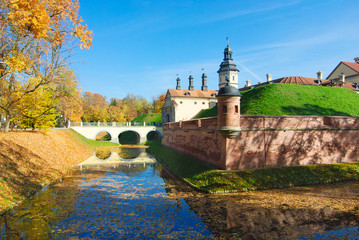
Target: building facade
{"x": 183, "y": 104}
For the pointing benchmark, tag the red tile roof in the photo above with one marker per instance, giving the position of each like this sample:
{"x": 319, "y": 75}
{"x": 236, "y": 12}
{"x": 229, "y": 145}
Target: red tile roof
{"x": 352, "y": 65}
{"x": 297, "y": 80}
{"x": 348, "y": 85}
{"x": 193, "y": 94}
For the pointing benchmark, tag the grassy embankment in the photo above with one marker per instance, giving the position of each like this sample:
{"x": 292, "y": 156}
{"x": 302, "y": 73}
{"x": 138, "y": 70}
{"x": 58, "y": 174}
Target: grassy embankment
{"x": 148, "y": 118}
{"x": 30, "y": 160}
{"x": 273, "y": 99}
{"x": 208, "y": 179}
{"x": 292, "y": 99}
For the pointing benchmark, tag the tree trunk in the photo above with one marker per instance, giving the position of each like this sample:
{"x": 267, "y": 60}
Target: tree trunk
{"x": 7, "y": 125}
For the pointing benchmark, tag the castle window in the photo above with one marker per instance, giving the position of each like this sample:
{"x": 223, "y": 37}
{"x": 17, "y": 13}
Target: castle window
{"x": 181, "y": 102}
{"x": 203, "y": 103}
{"x": 224, "y": 109}
{"x": 195, "y": 102}
{"x": 236, "y": 109}
{"x": 187, "y": 94}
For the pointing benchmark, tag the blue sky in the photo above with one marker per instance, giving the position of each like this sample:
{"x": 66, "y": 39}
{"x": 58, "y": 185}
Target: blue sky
{"x": 140, "y": 46}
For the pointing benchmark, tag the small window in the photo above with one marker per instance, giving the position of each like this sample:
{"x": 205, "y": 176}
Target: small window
{"x": 195, "y": 102}
{"x": 203, "y": 103}
{"x": 181, "y": 102}
{"x": 236, "y": 109}
{"x": 224, "y": 109}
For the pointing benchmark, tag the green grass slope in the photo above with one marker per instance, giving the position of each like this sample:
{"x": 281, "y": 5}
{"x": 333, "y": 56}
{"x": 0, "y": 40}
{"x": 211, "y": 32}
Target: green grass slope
{"x": 292, "y": 99}
{"x": 148, "y": 117}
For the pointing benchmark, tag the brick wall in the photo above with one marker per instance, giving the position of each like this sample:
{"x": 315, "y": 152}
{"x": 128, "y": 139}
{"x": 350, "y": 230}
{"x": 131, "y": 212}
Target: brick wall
{"x": 267, "y": 141}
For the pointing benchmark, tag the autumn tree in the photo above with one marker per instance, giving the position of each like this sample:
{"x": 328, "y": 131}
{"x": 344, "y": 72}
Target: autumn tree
{"x": 70, "y": 102}
{"x": 36, "y": 39}
{"x": 158, "y": 102}
{"x": 95, "y": 107}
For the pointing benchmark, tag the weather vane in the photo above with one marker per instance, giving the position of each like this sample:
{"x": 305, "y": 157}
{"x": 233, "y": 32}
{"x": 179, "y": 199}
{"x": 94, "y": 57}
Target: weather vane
{"x": 227, "y": 40}
{"x": 202, "y": 69}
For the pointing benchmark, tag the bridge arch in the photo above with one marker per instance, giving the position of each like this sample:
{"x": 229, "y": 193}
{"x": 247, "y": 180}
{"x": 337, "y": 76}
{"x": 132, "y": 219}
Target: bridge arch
{"x": 153, "y": 135}
{"x": 98, "y": 133}
{"x": 90, "y": 132}
{"x": 129, "y": 136}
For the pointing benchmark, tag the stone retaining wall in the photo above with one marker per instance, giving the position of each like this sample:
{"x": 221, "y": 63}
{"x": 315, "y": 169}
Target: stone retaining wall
{"x": 268, "y": 141}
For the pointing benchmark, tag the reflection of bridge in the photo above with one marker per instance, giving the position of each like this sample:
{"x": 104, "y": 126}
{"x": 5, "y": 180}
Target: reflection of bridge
{"x": 90, "y": 130}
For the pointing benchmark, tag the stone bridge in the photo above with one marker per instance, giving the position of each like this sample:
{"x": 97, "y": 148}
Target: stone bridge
{"x": 91, "y": 130}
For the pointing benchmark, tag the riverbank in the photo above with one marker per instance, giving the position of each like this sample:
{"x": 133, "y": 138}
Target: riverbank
{"x": 30, "y": 160}
{"x": 209, "y": 179}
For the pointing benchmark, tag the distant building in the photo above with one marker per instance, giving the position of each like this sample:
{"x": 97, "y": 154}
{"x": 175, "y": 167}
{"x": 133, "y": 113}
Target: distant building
{"x": 183, "y": 104}
{"x": 346, "y": 75}
{"x": 349, "y": 69}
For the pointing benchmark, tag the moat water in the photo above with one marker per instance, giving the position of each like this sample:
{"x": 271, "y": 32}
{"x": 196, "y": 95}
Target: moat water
{"x": 133, "y": 198}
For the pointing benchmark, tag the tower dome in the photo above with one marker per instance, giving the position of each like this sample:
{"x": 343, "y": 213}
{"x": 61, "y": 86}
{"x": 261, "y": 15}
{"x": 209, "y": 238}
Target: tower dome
{"x": 228, "y": 70}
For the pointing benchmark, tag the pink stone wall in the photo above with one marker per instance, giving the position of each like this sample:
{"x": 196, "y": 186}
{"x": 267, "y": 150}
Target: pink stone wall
{"x": 268, "y": 141}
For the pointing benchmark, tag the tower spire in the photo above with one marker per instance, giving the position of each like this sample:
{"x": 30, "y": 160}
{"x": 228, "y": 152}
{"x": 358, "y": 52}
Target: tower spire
{"x": 228, "y": 69}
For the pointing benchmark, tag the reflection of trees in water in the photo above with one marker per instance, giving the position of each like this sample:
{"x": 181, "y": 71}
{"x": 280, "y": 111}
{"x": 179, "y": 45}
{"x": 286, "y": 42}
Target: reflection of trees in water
{"x": 243, "y": 216}
{"x": 103, "y": 153}
{"x": 33, "y": 219}
{"x": 130, "y": 153}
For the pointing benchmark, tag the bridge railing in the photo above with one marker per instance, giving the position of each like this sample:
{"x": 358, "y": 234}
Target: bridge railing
{"x": 113, "y": 124}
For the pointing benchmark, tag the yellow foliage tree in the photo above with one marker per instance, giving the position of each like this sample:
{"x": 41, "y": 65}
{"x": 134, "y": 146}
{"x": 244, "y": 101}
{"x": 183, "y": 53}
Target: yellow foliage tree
{"x": 40, "y": 115}
{"x": 35, "y": 41}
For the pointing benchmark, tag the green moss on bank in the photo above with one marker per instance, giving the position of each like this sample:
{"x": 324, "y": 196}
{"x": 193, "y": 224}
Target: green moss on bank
{"x": 215, "y": 181}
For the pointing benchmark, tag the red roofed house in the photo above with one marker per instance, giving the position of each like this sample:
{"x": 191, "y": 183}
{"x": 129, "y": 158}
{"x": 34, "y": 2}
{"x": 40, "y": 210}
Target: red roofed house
{"x": 345, "y": 75}
{"x": 183, "y": 104}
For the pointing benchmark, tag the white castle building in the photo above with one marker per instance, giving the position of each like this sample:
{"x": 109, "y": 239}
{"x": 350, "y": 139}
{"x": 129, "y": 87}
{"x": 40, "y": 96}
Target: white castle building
{"x": 183, "y": 104}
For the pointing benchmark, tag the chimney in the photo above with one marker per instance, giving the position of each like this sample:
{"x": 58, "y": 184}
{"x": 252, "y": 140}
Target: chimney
{"x": 356, "y": 60}
{"x": 178, "y": 87}
{"x": 190, "y": 87}
{"x": 342, "y": 78}
{"x": 320, "y": 75}
{"x": 269, "y": 77}
{"x": 204, "y": 82}
{"x": 248, "y": 83}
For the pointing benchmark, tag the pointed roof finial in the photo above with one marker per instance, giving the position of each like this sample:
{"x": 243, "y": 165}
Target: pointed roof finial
{"x": 227, "y": 40}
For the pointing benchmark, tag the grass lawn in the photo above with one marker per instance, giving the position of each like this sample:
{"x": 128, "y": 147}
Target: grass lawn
{"x": 212, "y": 180}
{"x": 92, "y": 144}
{"x": 149, "y": 117}
{"x": 293, "y": 99}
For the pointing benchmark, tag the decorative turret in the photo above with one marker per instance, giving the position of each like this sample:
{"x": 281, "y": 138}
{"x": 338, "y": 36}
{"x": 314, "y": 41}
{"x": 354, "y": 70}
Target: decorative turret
{"x": 204, "y": 82}
{"x": 178, "y": 87}
{"x": 228, "y": 70}
{"x": 228, "y": 120}
{"x": 190, "y": 87}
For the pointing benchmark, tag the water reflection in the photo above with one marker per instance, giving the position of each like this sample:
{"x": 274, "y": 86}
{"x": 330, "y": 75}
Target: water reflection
{"x": 138, "y": 199}
{"x": 307, "y": 213}
{"x": 109, "y": 201}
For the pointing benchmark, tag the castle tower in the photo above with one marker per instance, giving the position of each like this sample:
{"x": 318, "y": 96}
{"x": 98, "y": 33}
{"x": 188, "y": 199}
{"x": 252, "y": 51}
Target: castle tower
{"x": 228, "y": 70}
{"x": 204, "y": 82}
{"x": 190, "y": 84}
{"x": 228, "y": 120}
{"x": 178, "y": 87}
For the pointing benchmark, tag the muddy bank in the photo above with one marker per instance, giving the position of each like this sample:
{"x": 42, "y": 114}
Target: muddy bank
{"x": 30, "y": 160}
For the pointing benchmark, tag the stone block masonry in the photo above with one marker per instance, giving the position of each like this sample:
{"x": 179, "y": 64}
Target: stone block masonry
{"x": 268, "y": 141}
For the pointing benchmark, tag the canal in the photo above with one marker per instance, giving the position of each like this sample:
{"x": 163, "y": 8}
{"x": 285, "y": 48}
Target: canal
{"x": 130, "y": 196}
